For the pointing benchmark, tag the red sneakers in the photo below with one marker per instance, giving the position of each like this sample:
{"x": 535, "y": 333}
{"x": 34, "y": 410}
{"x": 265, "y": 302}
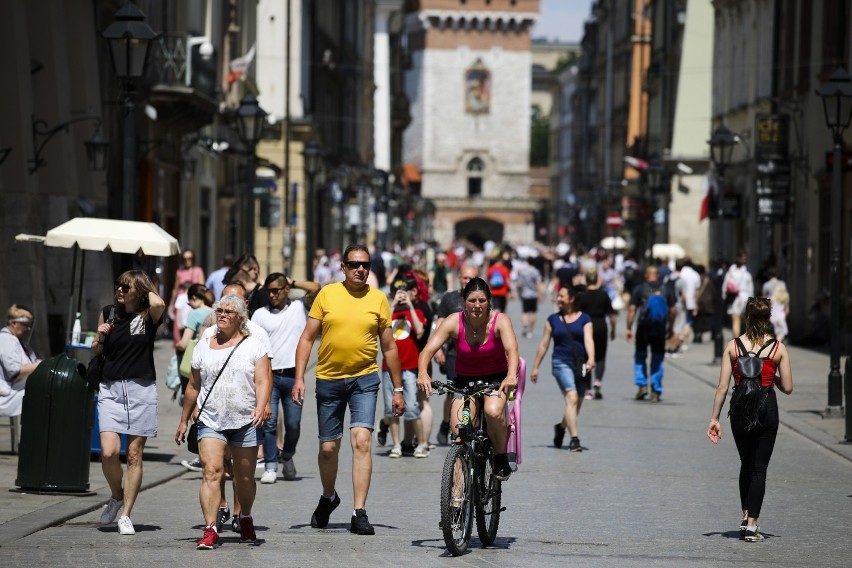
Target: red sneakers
{"x": 247, "y": 533}
{"x": 209, "y": 540}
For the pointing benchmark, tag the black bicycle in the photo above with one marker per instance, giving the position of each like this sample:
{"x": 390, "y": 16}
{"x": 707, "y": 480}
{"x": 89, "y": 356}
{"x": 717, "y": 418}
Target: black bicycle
{"x": 468, "y": 485}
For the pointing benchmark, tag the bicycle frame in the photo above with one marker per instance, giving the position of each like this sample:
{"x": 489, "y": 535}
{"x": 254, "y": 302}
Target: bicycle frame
{"x": 476, "y": 457}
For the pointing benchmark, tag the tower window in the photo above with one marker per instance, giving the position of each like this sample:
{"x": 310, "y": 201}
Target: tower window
{"x": 474, "y": 177}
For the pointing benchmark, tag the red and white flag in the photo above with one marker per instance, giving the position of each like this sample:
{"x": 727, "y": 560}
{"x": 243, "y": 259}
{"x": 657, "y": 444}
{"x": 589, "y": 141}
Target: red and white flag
{"x": 636, "y": 163}
{"x": 709, "y": 199}
{"x": 239, "y": 66}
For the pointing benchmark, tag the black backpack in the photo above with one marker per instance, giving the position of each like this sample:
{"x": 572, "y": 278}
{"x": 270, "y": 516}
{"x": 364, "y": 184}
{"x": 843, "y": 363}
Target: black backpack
{"x": 749, "y": 395}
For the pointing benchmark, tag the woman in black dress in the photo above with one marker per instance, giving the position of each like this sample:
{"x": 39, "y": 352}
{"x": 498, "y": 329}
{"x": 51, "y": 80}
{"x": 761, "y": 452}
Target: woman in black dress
{"x": 595, "y": 301}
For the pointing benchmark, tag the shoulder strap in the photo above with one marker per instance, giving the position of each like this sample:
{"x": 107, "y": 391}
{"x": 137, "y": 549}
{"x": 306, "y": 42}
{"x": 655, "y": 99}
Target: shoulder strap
{"x": 200, "y": 410}
{"x": 769, "y": 343}
{"x": 741, "y": 350}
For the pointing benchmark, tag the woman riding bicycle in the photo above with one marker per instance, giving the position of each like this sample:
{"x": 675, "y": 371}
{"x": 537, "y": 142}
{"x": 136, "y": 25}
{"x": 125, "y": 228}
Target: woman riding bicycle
{"x": 487, "y": 351}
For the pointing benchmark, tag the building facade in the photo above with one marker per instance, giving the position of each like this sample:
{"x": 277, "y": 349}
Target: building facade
{"x": 469, "y": 138}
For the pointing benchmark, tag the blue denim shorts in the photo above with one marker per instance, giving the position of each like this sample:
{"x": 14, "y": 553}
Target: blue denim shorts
{"x": 246, "y": 437}
{"x": 409, "y": 383}
{"x": 564, "y": 375}
{"x": 334, "y": 395}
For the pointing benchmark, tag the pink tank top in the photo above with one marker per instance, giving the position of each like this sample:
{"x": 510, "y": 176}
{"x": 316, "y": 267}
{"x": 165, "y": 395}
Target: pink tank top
{"x": 480, "y": 360}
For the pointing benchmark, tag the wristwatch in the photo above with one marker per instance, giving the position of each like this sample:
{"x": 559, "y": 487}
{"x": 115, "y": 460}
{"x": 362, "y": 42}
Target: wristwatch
{"x": 398, "y": 389}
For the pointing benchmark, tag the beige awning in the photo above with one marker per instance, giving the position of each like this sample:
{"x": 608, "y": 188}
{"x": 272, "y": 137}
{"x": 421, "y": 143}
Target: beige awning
{"x": 91, "y": 233}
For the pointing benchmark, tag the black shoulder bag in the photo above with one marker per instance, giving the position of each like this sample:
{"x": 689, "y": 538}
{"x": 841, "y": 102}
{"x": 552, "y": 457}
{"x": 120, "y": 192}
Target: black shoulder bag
{"x": 95, "y": 370}
{"x": 581, "y": 379}
{"x": 192, "y": 435}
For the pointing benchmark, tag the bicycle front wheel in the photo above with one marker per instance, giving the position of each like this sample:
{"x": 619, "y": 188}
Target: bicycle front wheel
{"x": 488, "y": 489}
{"x": 457, "y": 500}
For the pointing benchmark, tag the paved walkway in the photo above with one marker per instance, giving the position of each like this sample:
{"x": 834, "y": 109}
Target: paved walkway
{"x": 649, "y": 489}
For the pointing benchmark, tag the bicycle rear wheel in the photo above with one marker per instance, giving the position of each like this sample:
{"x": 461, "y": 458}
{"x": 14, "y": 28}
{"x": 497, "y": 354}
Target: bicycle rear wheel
{"x": 488, "y": 499}
{"x": 457, "y": 500}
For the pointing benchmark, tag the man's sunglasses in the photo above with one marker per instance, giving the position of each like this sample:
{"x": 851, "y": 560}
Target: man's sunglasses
{"x": 125, "y": 288}
{"x": 353, "y": 264}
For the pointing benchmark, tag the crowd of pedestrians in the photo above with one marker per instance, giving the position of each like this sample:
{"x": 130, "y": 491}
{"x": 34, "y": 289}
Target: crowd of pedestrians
{"x": 431, "y": 313}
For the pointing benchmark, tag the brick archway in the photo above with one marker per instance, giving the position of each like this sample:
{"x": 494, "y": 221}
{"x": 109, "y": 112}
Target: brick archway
{"x": 479, "y": 229}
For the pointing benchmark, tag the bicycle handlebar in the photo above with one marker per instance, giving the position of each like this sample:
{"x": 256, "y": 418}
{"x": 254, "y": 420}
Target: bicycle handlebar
{"x": 477, "y": 389}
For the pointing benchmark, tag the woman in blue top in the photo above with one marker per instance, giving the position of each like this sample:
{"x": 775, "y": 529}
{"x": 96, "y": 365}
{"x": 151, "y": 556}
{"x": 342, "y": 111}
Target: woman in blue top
{"x": 573, "y": 349}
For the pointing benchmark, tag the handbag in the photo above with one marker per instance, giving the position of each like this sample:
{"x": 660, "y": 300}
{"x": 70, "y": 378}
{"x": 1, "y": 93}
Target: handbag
{"x": 186, "y": 363}
{"x": 192, "y": 435}
{"x": 95, "y": 370}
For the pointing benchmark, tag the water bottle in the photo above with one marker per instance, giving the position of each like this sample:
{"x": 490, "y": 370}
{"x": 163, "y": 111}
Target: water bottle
{"x": 76, "y": 330}
{"x": 465, "y": 416}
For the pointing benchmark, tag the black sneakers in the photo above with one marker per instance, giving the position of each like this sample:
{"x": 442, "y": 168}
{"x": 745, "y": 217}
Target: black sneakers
{"x": 323, "y": 511}
{"x": 558, "y": 434}
{"x": 753, "y": 535}
{"x": 360, "y": 524}
{"x": 382, "y": 434}
{"x": 443, "y": 436}
{"x": 502, "y": 469}
{"x": 743, "y": 528}
{"x": 574, "y": 445}
{"x": 222, "y": 515}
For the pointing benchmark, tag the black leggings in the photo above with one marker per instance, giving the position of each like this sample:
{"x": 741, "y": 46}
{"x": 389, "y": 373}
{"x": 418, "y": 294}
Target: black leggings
{"x": 755, "y": 449}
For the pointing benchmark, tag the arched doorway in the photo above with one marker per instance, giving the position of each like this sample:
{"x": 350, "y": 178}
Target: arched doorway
{"x": 477, "y": 230}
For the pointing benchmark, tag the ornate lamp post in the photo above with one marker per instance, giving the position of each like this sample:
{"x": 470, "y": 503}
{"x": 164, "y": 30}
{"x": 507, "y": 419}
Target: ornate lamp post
{"x": 837, "y": 103}
{"x": 312, "y": 155}
{"x": 655, "y": 176}
{"x": 130, "y": 39}
{"x": 250, "y": 121}
{"x": 721, "y": 151}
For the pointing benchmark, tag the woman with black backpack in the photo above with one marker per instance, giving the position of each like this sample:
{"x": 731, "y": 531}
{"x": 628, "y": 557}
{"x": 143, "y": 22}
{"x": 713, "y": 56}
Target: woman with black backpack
{"x": 753, "y": 359}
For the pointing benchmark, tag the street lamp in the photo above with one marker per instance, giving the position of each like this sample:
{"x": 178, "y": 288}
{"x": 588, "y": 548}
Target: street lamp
{"x": 96, "y": 146}
{"x": 379, "y": 180}
{"x": 655, "y": 176}
{"x": 312, "y": 156}
{"x": 344, "y": 178}
{"x": 721, "y": 151}
{"x": 130, "y": 39}
{"x": 250, "y": 121}
{"x": 837, "y": 103}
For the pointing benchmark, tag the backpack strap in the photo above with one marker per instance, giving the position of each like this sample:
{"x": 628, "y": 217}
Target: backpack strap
{"x": 741, "y": 350}
{"x": 769, "y": 343}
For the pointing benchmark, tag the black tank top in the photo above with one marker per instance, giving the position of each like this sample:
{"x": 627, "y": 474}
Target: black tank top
{"x": 129, "y": 348}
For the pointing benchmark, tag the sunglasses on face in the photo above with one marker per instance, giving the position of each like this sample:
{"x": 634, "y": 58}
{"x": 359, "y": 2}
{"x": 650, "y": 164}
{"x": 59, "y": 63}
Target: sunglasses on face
{"x": 354, "y": 264}
{"x": 274, "y": 291}
{"x": 223, "y": 312}
{"x": 125, "y": 288}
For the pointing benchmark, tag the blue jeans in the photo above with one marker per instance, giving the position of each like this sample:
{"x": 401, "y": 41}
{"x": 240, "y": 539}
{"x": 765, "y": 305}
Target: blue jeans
{"x": 564, "y": 375}
{"x": 334, "y": 395}
{"x": 282, "y": 386}
{"x": 657, "y": 344}
{"x": 409, "y": 383}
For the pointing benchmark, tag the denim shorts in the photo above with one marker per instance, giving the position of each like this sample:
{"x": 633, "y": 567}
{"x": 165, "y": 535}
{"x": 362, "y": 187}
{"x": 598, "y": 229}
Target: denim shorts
{"x": 409, "y": 383}
{"x": 246, "y": 437}
{"x": 334, "y": 395}
{"x": 564, "y": 375}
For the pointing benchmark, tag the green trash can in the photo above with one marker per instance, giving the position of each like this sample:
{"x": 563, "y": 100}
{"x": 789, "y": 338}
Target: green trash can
{"x": 56, "y": 429}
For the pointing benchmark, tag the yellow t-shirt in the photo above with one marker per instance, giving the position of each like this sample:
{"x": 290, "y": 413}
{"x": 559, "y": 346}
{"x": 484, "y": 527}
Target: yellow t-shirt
{"x": 350, "y": 328}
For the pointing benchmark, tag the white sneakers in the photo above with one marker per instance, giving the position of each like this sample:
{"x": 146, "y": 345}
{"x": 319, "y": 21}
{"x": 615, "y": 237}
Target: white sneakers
{"x": 111, "y": 510}
{"x": 125, "y": 526}
{"x": 269, "y": 476}
{"x": 421, "y": 452}
{"x": 396, "y": 452}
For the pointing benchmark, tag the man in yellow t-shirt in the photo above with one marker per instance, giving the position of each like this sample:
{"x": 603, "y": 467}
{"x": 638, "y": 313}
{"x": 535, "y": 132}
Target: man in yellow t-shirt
{"x": 351, "y": 315}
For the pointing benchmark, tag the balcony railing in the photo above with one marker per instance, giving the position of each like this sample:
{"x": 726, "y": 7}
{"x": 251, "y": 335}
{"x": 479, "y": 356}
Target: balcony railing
{"x": 170, "y": 65}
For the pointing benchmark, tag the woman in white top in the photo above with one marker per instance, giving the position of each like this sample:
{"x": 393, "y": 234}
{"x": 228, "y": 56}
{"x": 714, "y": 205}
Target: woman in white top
{"x": 17, "y": 360}
{"x": 232, "y": 380}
